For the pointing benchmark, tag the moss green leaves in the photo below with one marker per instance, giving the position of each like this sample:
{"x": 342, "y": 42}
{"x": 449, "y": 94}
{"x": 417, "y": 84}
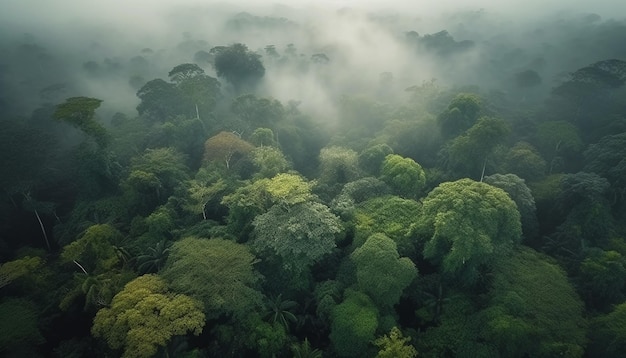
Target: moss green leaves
{"x": 217, "y": 272}
{"x": 404, "y": 175}
{"x": 468, "y": 223}
{"x": 145, "y": 316}
{"x": 381, "y": 272}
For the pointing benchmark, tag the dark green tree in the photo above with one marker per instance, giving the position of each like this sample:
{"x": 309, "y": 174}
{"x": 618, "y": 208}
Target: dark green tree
{"x": 461, "y": 114}
{"x": 238, "y": 65}
{"x": 523, "y": 198}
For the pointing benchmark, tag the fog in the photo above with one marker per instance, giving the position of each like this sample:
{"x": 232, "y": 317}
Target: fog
{"x": 88, "y": 48}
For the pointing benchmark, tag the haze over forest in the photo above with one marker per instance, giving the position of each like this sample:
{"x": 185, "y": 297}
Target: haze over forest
{"x": 312, "y": 178}
{"x": 489, "y": 43}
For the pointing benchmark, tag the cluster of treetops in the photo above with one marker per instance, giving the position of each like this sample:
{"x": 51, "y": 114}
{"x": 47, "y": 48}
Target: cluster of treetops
{"x": 450, "y": 225}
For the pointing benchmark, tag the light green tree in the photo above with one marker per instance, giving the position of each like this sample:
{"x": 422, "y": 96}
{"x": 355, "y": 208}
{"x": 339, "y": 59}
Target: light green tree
{"x": 381, "y": 272}
{"x": 392, "y": 216}
{"x": 299, "y": 234}
{"x": 94, "y": 252}
{"x": 269, "y": 161}
{"x": 404, "y": 175}
{"x": 145, "y": 316}
{"x": 219, "y": 273}
{"x": 338, "y": 165}
{"x": 12, "y": 270}
{"x": 354, "y": 322}
{"x": 395, "y": 345}
{"x": 468, "y": 223}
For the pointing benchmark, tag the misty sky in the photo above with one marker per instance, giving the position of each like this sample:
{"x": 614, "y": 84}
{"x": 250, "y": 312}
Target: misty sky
{"x": 76, "y": 31}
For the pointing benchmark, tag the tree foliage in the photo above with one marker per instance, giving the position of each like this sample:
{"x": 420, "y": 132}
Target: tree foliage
{"x": 217, "y": 272}
{"x": 299, "y": 234}
{"x": 79, "y": 112}
{"x": 468, "y": 224}
{"x": 225, "y": 148}
{"x": 404, "y": 175}
{"x": 354, "y": 322}
{"x": 145, "y": 316}
{"x": 238, "y": 65}
{"x": 534, "y": 311}
{"x": 381, "y": 273}
{"x": 395, "y": 345}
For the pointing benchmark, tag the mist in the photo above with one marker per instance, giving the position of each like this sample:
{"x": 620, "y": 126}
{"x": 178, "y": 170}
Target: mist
{"x": 362, "y": 40}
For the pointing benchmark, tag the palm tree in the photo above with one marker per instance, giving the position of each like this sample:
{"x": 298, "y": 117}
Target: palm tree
{"x": 279, "y": 311}
{"x": 154, "y": 260}
{"x": 303, "y": 350}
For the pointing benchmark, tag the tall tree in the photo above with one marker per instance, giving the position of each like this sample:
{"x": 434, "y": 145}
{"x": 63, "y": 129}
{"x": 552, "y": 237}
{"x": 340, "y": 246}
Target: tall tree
{"x": 298, "y": 235}
{"x": 404, "y": 175}
{"x": 380, "y": 271}
{"x": 79, "y": 112}
{"x": 468, "y": 224}
{"x": 238, "y": 65}
{"x": 145, "y": 316}
{"x": 217, "y": 272}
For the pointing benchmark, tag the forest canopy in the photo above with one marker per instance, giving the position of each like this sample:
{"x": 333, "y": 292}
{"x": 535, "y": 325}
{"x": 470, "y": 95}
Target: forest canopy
{"x": 327, "y": 179}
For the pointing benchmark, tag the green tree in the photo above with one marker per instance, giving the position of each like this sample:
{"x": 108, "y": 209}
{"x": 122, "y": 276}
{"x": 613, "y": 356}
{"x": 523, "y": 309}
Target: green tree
{"x": 298, "y": 235}
{"x": 160, "y": 100}
{"x": 607, "y": 333}
{"x": 525, "y": 161}
{"x": 225, "y": 148}
{"x": 602, "y": 278}
{"x": 523, "y": 198}
{"x": 153, "y": 176}
{"x": 79, "y": 112}
{"x": 390, "y": 215}
{"x": 12, "y": 270}
{"x": 263, "y": 137}
{"x": 185, "y": 72}
{"x": 19, "y": 334}
{"x": 395, "y": 345}
{"x": 354, "y": 322}
{"x": 207, "y": 187}
{"x": 468, "y": 224}
{"x": 404, "y": 175}
{"x": 256, "y": 198}
{"x": 95, "y": 251}
{"x": 338, "y": 165}
{"x": 217, "y": 272}
{"x": 607, "y": 158}
{"x": 380, "y": 271}
{"x": 467, "y": 154}
{"x": 534, "y": 310}
{"x": 356, "y": 192}
{"x": 145, "y": 316}
{"x": 269, "y": 161}
{"x": 238, "y": 65}
{"x": 461, "y": 114}
{"x": 371, "y": 159}
{"x": 304, "y": 350}
{"x": 560, "y": 143}
{"x": 258, "y": 112}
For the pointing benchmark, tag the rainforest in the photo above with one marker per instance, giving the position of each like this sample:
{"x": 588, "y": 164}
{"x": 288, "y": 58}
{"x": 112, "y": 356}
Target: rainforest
{"x": 312, "y": 179}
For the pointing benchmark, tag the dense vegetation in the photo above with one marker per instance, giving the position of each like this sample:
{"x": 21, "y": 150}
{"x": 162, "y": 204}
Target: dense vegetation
{"x": 216, "y": 220}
